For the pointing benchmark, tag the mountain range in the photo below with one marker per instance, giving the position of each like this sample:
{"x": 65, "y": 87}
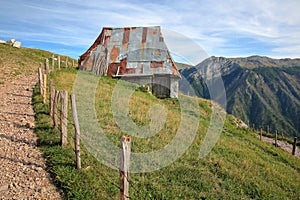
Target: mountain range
{"x": 263, "y": 92}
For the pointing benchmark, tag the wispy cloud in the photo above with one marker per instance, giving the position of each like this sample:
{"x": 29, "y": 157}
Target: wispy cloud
{"x": 227, "y": 28}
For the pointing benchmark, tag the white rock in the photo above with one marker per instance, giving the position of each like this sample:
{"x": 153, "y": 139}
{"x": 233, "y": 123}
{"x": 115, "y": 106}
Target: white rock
{"x": 17, "y": 44}
{"x": 2, "y": 42}
{"x": 4, "y": 187}
{"x": 11, "y": 41}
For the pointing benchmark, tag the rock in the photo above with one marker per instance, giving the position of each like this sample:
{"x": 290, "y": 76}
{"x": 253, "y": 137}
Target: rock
{"x": 17, "y": 44}
{"x": 2, "y": 42}
{"x": 14, "y": 43}
{"x": 11, "y": 41}
{"x": 4, "y": 187}
{"x": 41, "y": 190}
{"x": 30, "y": 125}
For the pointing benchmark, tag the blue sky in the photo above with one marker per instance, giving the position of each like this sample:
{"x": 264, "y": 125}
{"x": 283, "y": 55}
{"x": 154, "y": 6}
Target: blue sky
{"x": 229, "y": 28}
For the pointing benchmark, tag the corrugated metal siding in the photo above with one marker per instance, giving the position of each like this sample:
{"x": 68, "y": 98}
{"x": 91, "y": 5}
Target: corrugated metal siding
{"x": 133, "y": 52}
{"x": 137, "y": 44}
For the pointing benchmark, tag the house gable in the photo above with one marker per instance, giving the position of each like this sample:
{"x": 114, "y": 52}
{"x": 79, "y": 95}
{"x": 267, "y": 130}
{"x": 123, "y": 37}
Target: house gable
{"x": 130, "y": 52}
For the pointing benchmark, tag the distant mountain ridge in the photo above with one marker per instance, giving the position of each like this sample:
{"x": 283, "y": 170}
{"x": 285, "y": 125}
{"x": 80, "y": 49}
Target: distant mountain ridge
{"x": 259, "y": 61}
{"x": 260, "y": 90}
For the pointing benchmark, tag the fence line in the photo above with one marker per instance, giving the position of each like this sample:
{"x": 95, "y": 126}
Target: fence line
{"x": 276, "y": 136}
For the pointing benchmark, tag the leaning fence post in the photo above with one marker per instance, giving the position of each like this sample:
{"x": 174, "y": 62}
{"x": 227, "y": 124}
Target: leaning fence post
{"x": 294, "y": 146}
{"x": 58, "y": 62}
{"x": 124, "y": 167}
{"x": 64, "y": 118}
{"x": 40, "y": 74}
{"x": 45, "y": 88}
{"x": 77, "y": 131}
{"x": 51, "y": 96}
{"x": 55, "y": 109}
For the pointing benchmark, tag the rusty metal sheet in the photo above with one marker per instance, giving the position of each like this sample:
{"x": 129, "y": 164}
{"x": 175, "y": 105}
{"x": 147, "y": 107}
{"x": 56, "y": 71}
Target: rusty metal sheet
{"x": 114, "y": 53}
{"x": 141, "y": 50}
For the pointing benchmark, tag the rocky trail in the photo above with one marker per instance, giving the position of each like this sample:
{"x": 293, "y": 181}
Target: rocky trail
{"x": 23, "y": 173}
{"x": 282, "y": 144}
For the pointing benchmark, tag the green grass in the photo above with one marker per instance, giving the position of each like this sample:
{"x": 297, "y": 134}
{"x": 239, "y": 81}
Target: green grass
{"x": 15, "y": 62}
{"x": 238, "y": 167}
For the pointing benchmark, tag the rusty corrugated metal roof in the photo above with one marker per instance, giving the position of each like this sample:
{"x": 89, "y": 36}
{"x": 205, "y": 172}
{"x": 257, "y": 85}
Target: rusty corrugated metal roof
{"x": 142, "y": 49}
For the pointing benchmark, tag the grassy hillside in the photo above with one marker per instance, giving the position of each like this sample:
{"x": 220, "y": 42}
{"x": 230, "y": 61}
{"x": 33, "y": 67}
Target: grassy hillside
{"x": 14, "y": 62}
{"x": 238, "y": 167}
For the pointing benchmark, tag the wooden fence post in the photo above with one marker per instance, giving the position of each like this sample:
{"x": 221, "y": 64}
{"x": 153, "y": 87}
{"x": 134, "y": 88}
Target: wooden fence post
{"x": 124, "y": 167}
{"x": 45, "y": 89}
{"x": 66, "y": 62}
{"x": 260, "y": 134}
{"x": 64, "y": 118}
{"x": 55, "y": 109}
{"x": 276, "y": 145}
{"x": 73, "y": 63}
{"x": 40, "y": 74}
{"x": 294, "y": 146}
{"x": 77, "y": 131}
{"x": 58, "y": 62}
{"x": 52, "y": 58}
{"x": 52, "y": 96}
{"x": 47, "y": 66}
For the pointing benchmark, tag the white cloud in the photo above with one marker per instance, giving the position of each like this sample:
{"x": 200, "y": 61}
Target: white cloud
{"x": 217, "y": 26}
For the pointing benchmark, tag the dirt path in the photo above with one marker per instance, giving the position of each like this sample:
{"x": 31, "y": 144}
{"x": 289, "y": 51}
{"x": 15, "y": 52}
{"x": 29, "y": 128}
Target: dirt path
{"x": 282, "y": 144}
{"x": 22, "y": 166}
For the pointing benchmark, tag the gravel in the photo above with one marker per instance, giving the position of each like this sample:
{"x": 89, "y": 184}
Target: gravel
{"x": 23, "y": 173}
